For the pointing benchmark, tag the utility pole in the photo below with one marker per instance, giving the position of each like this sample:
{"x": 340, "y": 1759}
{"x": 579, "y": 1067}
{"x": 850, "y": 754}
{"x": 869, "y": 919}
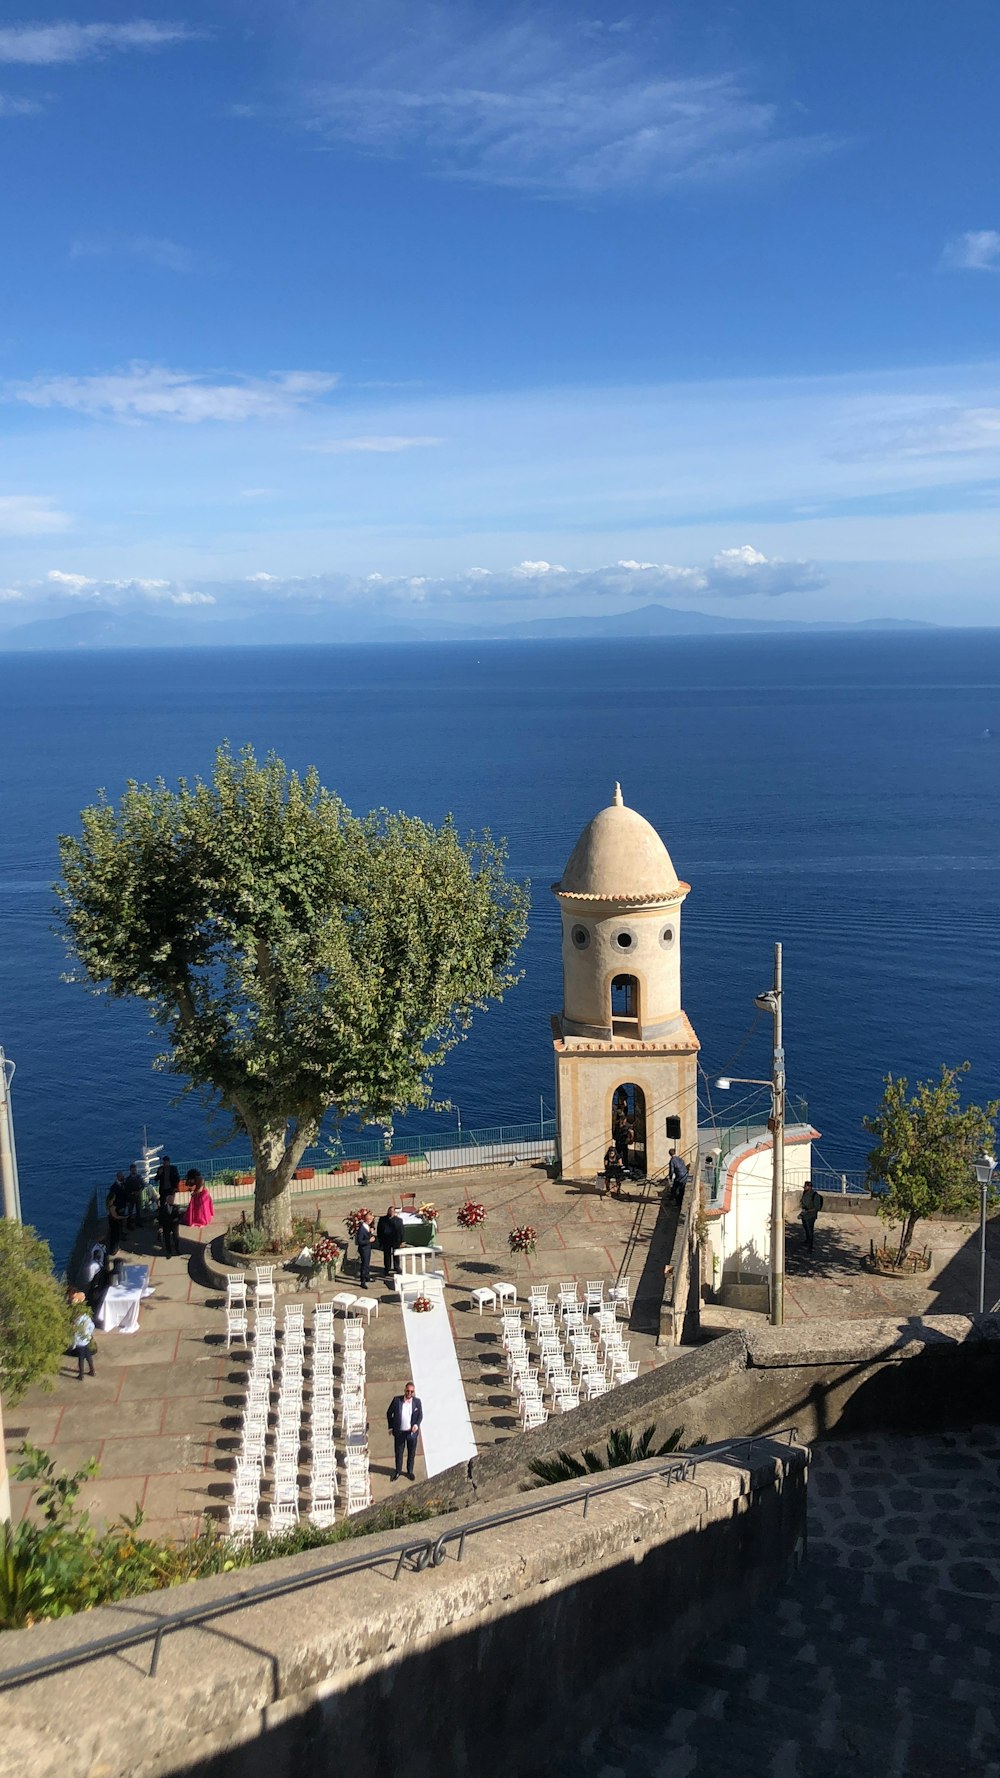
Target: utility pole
{"x": 8, "y": 1163}
{"x": 771, "y": 1002}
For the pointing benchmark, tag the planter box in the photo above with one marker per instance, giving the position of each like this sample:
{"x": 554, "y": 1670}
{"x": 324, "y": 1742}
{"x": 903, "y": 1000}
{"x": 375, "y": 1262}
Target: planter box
{"x": 304, "y": 1173}
{"x": 399, "y": 1160}
{"x": 348, "y": 1167}
{"x": 247, "y": 1179}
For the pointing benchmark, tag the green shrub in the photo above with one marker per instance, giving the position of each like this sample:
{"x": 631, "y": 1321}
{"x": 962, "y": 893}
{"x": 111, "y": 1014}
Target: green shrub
{"x": 65, "y": 1565}
{"x": 34, "y": 1316}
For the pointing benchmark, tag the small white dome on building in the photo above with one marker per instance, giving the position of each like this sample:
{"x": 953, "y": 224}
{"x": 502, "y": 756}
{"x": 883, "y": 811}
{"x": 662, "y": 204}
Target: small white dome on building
{"x": 619, "y": 857}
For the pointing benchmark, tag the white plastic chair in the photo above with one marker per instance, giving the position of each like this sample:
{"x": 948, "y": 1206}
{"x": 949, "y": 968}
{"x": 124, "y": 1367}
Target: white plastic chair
{"x": 620, "y": 1296}
{"x": 534, "y": 1415}
{"x": 322, "y": 1507}
{"x": 567, "y": 1292}
{"x": 237, "y": 1326}
{"x": 242, "y": 1522}
{"x": 236, "y": 1293}
{"x": 593, "y": 1296}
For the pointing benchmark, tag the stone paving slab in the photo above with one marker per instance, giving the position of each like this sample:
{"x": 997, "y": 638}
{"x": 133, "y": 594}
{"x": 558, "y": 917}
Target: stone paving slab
{"x": 163, "y": 1411}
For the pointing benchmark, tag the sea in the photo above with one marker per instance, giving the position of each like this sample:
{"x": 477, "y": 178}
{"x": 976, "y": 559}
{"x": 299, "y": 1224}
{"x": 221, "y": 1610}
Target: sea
{"x": 839, "y": 792}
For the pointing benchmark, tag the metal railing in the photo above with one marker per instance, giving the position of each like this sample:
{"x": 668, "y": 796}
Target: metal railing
{"x": 371, "y": 1151}
{"x": 407, "y": 1554}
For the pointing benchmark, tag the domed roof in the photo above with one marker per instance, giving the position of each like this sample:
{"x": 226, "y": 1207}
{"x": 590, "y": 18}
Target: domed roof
{"x": 620, "y": 857}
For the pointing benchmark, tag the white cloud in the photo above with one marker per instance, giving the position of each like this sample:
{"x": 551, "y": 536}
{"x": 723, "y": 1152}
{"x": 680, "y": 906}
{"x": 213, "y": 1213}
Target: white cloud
{"x": 375, "y": 442}
{"x": 156, "y": 250}
{"x": 42, "y": 45}
{"x": 978, "y": 250}
{"x": 73, "y": 583}
{"x": 11, "y": 105}
{"x": 152, "y": 392}
{"x": 541, "y": 108}
{"x": 9, "y": 593}
{"x": 29, "y": 515}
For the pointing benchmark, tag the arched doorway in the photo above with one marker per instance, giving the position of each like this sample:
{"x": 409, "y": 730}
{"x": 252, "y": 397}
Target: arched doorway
{"x": 625, "y": 1006}
{"x": 628, "y": 1115}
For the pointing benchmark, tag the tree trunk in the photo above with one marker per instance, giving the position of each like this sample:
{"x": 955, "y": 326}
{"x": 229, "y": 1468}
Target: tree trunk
{"x": 906, "y": 1237}
{"x": 276, "y": 1154}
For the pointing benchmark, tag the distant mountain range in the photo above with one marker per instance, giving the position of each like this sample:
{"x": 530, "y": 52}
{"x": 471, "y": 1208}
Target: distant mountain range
{"x": 139, "y": 629}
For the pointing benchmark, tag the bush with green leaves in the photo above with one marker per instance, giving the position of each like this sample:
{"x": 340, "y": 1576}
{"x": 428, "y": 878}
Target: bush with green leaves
{"x": 621, "y": 1449}
{"x": 35, "y": 1319}
{"x": 926, "y": 1147}
{"x": 65, "y": 1565}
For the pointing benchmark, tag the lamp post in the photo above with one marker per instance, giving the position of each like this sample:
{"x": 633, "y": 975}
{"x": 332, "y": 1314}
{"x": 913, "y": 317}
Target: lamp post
{"x": 10, "y": 1201}
{"x": 770, "y": 1001}
{"x": 986, "y": 1167}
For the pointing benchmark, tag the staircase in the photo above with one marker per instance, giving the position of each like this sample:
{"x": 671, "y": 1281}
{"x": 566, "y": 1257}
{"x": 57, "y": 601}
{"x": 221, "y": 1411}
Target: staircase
{"x": 855, "y": 1670}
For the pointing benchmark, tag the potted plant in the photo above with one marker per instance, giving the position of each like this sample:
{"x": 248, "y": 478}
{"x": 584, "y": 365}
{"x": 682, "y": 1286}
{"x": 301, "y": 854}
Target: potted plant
{"x": 398, "y": 1160}
{"x": 304, "y": 1173}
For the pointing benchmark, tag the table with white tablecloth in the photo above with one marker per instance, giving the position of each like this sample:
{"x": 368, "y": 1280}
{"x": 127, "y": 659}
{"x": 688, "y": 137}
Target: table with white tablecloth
{"x": 119, "y": 1311}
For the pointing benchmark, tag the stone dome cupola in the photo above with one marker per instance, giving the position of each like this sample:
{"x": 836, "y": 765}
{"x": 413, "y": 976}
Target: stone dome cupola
{"x": 620, "y": 858}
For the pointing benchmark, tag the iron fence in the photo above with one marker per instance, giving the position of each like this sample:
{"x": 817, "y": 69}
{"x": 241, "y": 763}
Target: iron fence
{"x": 413, "y": 1555}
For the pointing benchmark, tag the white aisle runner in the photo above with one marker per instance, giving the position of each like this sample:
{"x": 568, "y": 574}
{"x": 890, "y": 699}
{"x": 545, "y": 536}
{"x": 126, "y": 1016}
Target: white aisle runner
{"x": 446, "y": 1433}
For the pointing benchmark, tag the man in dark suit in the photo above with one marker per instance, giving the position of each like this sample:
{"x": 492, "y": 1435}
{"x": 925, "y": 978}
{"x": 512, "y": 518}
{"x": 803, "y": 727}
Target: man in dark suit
{"x": 363, "y": 1237}
{"x": 404, "y": 1418}
{"x": 389, "y": 1235}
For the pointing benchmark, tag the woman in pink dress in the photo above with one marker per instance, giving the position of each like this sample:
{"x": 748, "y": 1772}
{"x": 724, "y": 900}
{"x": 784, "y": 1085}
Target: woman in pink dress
{"x": 200, "y": 1208}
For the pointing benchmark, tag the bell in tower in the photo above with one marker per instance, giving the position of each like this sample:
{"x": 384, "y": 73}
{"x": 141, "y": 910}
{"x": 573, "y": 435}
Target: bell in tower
{"x": 625, "y": 1053}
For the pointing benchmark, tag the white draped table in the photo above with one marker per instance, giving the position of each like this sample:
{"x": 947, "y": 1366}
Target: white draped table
{"x": 119, "y": 1312}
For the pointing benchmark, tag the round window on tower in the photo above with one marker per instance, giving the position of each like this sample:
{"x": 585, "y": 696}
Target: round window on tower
{"x": 580, "y": 937}
{"x": 667, "y": 937}
{"x": 624, "y": 940}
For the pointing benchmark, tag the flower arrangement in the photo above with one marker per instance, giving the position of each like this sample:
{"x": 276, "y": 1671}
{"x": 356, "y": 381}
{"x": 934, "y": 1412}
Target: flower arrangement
{"x": 422, "y": 1305}
{"x": 428, "y": 1213}
{"x": 352, "y": 1219}
{"x": 326, "y": 1250}
{"x": 471, "y": 1215}
{"x": 522, "y": 1238}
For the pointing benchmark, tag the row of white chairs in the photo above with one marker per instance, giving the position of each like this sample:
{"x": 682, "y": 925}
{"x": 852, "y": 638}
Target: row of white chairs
{"x": 252, "y": 1458}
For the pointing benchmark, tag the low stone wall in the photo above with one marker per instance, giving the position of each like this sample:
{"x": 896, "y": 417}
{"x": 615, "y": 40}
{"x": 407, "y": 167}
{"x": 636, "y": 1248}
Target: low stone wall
{"x": 506, "y": 1658}
{"x": 823, "y": 1377}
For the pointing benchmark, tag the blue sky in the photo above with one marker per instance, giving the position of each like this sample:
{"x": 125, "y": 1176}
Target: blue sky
{"x": 454, "y": 307}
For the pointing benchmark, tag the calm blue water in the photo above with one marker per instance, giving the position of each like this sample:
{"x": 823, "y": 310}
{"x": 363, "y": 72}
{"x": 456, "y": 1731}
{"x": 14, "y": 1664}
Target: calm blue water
{"x": 833, "y": 792}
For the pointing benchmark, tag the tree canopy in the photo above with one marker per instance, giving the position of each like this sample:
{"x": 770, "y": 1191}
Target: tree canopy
{"x": 926, "y": 1148}
{"x": 300, "y": 959}
{"x": 34, "y": 1314}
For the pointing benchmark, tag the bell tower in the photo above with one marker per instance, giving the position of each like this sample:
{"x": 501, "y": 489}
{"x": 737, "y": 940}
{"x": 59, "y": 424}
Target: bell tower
{"x": 623, "y": 1039}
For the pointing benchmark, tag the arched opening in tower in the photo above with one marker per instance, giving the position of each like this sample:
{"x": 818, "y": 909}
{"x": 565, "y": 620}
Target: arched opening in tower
{"x": 628, "y": 1125}
{"x": 625, "y": 1006}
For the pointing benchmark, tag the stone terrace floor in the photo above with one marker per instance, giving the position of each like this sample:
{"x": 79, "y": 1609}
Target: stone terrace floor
{"x": 162, "y": 1414}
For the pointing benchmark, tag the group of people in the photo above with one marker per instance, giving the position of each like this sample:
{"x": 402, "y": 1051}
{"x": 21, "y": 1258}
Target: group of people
{"x": 129, "y": 1198}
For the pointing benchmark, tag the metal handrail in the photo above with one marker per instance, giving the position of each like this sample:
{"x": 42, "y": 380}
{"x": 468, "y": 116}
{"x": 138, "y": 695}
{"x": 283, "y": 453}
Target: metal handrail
{"x": 429, "y": 1553}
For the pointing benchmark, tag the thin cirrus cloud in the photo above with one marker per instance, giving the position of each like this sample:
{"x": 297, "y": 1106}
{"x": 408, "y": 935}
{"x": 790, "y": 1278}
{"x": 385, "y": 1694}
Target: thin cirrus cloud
{"x": 30, "y": 515}
{"x": 155, "y": 250}
{"x": 978, "y": 250}
{"x": 44, "y": 46}
{"x": 11, "y": 105}
{"x": 153, "y": 392}
{"x": 386, "y": 444}
{"x": 545, "y": 110}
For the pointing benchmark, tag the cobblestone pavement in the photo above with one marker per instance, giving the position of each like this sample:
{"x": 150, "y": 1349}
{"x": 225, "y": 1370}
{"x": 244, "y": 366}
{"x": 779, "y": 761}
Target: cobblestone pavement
{"x": 880, "y": 1660}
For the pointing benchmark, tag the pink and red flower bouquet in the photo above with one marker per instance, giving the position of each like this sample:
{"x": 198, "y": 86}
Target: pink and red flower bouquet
{"x": 471, "y": 1215}
{"x": 352, "y": 1219}
{"x": 422, "y": 1305}
{"x": 522, "y": 1238}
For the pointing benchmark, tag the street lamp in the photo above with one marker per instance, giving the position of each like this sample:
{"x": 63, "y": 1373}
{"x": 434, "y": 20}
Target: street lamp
{"x": 986, "y": 1167}
{"x": 770, "y": 1001}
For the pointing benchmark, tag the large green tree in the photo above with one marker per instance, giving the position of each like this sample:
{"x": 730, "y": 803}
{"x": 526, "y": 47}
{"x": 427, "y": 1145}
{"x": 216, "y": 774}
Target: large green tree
{"x": 926, "y": 1147}
{"x": 300, "y": 959}
{"x": 34, "y": 1315}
